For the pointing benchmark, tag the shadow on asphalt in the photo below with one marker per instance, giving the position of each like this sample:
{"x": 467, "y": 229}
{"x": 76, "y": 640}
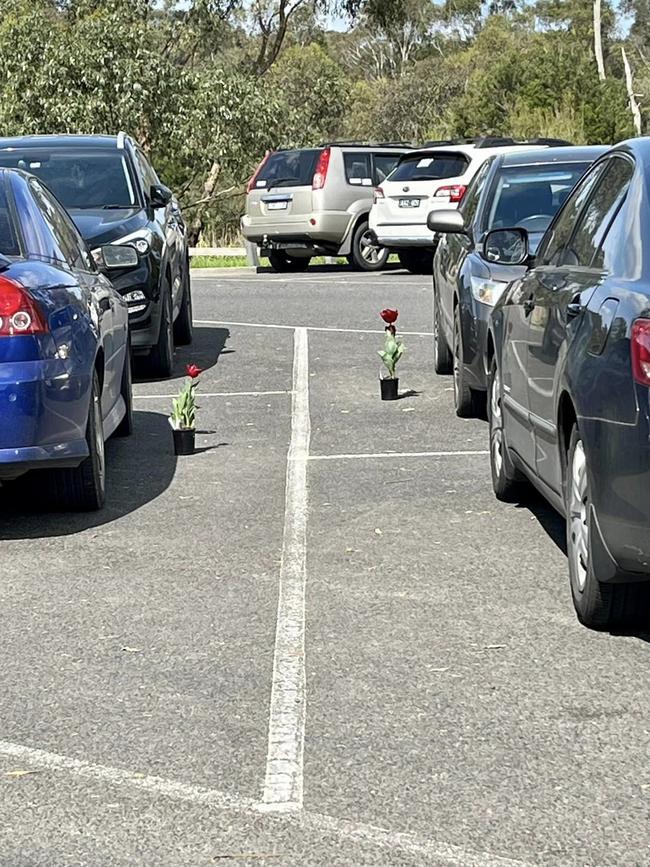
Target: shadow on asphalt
{"x": 334, "y": 269}
{"x": 551, "y": 522}
{"x": 208, "y": 344}
{"x": 138, "y": 470}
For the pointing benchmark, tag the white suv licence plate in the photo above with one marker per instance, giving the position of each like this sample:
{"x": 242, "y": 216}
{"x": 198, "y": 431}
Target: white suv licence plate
{"x": 409, "y": 203}
{"x": 276, "y": 206}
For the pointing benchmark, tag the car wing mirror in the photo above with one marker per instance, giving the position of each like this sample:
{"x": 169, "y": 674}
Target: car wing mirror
{"x": 506, "y": 247}
{"x": 160, "y": 196}
{"x": 447, "y": 221}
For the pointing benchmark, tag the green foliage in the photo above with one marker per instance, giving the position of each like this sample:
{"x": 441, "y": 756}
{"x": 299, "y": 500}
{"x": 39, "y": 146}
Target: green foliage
{"x": 183, "y": 415}
{"x": 391, "y": 353}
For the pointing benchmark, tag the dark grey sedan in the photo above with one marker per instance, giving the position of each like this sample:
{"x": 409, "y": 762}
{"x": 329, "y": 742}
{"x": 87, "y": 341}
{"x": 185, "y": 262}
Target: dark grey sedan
{"x": 569, "y": 384}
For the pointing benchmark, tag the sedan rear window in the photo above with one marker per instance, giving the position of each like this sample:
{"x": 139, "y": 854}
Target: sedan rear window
{"x": 78, "y": 179}
{"x": 8, "y": 240}
{"x": 430, "y": 167}
{"x": 288, "y": 168}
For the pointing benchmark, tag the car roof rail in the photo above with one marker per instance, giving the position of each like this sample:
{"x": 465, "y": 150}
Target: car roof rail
{"x": 121, "y": 140}
{"x": 364, "y": 144}
{"x": 551, "y": 142}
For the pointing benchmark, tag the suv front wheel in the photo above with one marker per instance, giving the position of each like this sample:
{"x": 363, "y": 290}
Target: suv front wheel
{"x": 365, "y": 255}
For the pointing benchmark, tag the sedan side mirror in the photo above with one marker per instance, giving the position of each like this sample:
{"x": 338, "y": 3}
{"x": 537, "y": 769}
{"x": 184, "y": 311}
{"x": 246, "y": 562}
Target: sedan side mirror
{"x": 506, "y": 247}
{"x": 447, "y": 220}
{"x": 160, "y": 196}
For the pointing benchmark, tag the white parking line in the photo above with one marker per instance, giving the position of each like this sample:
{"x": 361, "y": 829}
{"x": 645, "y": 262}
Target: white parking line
{"x": 441, "y": 854}
{"x": 311, "y": 328}
{"x": 397, "y": 455}
{"x": 283, "y": 787}
{"x": 205, "y": 394}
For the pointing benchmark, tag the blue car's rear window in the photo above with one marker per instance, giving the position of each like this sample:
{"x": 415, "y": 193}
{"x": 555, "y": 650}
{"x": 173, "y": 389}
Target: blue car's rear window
{"x": 8, "y": 240}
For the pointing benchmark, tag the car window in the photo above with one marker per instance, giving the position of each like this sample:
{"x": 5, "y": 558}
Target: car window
{"x": 383, "y": 165}
{"x": 293, "y": 168}
{"x": 37, "y": 235}
{"x": 472, "y": 195}
{"x": 357, "y": 169}
{"x": 430, "y": 167}
{"x": 597, "y": 217}
{"x": 8, "y": 237}
{"x": 149, "y": 177}
{"x": 73, "y": 243}
{"x": 79, "y": 178}
{"x": 67, "y": 248}
{"x": 554, "y": 246}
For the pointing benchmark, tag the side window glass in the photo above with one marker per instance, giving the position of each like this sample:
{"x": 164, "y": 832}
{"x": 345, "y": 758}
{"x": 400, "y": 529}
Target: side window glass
{"x": 8, "y": 240}
{"x": 149, "y": 177}
{"x": 554, "y": 249}
{"x": 473, "y": 193}
{"x": 383, "y": 165}
{"x": 68, "y": 242}
{"x": 601, "y": 210}
{"x": 357, "y": 169}
{"x": 40, "y": 238}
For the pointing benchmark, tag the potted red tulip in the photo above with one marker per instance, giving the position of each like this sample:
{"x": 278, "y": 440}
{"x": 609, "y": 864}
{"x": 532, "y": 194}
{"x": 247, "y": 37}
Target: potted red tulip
{"x": 183, "y": 416}
{"x": 390, "y": 355}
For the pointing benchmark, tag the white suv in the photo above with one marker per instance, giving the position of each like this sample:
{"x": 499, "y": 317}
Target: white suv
{"x": 432, "y": 177}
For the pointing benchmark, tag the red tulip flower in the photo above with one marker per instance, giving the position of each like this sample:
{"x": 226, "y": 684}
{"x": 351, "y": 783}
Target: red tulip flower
{"x": 389, "y": 316}
{"x": 193, "y": 370}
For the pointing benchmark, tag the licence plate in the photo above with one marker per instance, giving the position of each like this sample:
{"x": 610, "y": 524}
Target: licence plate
{"x": 409, "y": 203}
{"x": 276, "y": 206}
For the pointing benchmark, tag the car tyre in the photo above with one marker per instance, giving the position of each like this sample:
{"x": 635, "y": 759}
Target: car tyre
{"x": 160, "y": 361}
{"x": 125, "y": 427}
{"x": 442, "y": 358}
{"x": 183, "y": 327}
{"x": 83, "y": 488}
{"x": 508, "y": 483}
{"x": 465, "y": 400}
{"x": 416, "y": 261}
{"x": 365, "y": 256}
{"x": 282, "y": 262}
{"x": 598, "y": 605}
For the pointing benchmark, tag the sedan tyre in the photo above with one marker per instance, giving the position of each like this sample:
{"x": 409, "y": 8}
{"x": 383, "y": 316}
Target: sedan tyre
{"x": 507, "y": 482}
{"x": 443, "y": 361}
{"x": 598, "y": 605}
{"x": 125, "y": 427}
{"x": 365, "y": 256}
{"x": 183, "y": 327}
{"x": 83, "y": 488}
{"x": 464, "y": 398}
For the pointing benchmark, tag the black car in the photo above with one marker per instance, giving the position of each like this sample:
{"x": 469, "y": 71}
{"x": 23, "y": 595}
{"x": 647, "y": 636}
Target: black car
{"x": 569, "y": 406}
{"x": 129, "y": 220}
{"x": 521, "y": 188}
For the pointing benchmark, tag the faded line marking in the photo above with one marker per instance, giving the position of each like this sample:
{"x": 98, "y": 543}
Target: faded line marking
{"x": 119, "y": 777}
{"x": 443, "y": 854}
{"x": 310, "y": 328}
{"x": 204, "y": 394}
{"x": 283, "y": 786}
{"x": 370, "y": 455}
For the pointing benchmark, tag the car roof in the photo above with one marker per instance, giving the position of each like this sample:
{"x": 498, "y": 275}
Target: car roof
{"x": 573, "y": 154}
{"x": 59, "y": 141}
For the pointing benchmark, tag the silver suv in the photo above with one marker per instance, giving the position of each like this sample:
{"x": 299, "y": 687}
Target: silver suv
{"x": 315, "y": 201}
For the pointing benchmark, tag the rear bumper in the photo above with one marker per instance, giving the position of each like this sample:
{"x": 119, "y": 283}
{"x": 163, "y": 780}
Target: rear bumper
{"x": 413, "y": 235}
{"x": 43, "y": 414}
{"x": 329, "y": 228}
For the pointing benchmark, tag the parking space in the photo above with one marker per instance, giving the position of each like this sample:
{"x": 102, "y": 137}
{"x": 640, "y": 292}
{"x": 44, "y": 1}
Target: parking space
{"x": 318, "y": 641}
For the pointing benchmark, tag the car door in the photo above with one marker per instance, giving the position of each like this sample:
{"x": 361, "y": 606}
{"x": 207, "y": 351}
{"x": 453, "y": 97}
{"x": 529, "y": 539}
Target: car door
{"x": 563, "y": 289}
{"x": 523, "y": 298}
{"x": 455, "y": 249}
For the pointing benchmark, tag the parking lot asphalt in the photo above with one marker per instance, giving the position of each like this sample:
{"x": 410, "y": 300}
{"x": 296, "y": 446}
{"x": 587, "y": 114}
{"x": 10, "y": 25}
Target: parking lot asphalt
{"x": 333, "y": 570}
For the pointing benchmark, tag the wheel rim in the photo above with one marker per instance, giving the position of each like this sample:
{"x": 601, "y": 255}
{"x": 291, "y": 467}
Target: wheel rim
{"x": 496, "y": 424}
{"x": 170, "y": 335}
{"x": 369, "y": 252}
{"x": 99, "y": 439}
{"x": 435, "y": 327}
{"x": 579, "y": 516}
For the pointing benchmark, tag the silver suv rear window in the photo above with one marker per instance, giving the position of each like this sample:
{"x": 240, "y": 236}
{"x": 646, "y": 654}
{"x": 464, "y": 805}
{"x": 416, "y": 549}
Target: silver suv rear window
{"x": 430, "y": 167}
{"x": 290, "y": 168}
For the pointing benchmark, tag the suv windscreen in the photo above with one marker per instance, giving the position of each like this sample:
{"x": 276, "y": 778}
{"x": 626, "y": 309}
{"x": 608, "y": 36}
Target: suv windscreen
{"x": 78, "y": 179}
{"x": 430, "y": 167}
{"x": 529, "y": 196}
{"x": 289, "y": 169}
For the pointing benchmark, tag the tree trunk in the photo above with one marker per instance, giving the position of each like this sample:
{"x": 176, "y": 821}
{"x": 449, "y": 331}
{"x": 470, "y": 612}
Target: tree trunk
{"x": 196, "y": 226}
{"x": 629, "y": 83}
{"x": 598, "y": 41}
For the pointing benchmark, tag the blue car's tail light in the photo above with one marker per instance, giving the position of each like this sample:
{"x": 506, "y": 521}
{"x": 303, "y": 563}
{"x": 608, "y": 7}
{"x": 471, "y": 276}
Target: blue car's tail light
{"x": 19, "y": 312}
{"x": 640, "y": 346}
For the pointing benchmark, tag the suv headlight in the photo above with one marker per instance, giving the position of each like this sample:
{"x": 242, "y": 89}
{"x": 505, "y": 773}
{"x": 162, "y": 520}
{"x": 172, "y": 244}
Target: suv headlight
{"x": 117, "y": 257}
{"x": 487, "y": 291}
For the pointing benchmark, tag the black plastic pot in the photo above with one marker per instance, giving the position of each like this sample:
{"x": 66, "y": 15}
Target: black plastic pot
{"x": 389, "y": 389}
{"x": 184, "y": 441}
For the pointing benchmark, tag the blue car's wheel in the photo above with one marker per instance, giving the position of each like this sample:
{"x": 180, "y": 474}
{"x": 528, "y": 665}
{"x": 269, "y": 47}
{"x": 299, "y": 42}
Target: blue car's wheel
{"x": 83, "y": 488}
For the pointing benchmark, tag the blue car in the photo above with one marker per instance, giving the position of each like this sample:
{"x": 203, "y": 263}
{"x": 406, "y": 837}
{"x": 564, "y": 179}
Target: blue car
{"x": 65, "y": 371}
